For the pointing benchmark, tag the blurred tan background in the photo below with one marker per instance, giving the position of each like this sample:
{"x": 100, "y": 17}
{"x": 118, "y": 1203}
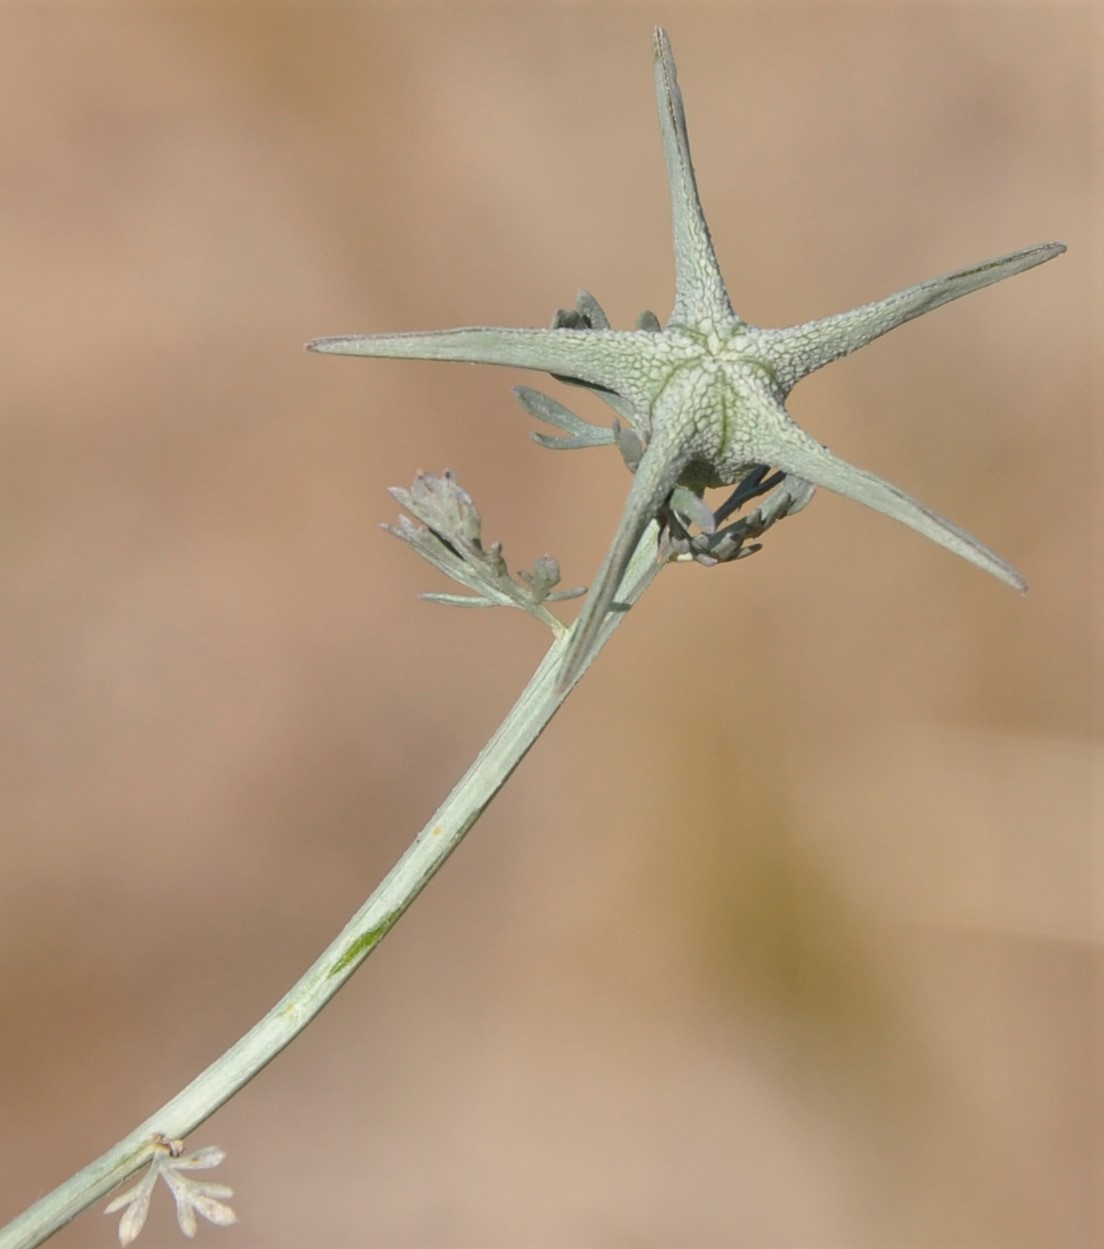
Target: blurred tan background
{"x": 787, "y": 932}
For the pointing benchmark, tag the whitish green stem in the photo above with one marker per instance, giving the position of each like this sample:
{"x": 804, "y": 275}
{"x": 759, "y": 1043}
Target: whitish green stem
{"x": 538, "y": 703}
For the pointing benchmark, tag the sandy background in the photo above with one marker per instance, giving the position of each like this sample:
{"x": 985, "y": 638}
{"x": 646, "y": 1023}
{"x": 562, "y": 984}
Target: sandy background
{"x": 787, "y": 932}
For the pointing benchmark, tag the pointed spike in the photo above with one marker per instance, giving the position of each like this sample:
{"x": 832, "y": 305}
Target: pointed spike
{"x": 700, "y": 293}
{"x": 654, "y": 480}
{"x": 806, "y": 458}
{"x": 593, "y": 356}
{"x": 801, "y": 349}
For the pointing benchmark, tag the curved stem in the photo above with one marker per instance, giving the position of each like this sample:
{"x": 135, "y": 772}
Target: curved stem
{"x": 536, "y": 706}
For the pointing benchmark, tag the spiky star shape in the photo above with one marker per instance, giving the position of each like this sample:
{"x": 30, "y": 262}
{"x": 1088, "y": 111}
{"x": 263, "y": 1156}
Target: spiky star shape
{"x": 707, "y": 392}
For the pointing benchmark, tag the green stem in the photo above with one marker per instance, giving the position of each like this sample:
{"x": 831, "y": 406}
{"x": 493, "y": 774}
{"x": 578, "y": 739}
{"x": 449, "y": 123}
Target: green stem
{"x": 538, "y": 703}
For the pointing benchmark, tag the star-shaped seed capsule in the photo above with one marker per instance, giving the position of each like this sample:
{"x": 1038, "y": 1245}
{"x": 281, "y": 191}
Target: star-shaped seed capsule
{"x": 706, "y": 393}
